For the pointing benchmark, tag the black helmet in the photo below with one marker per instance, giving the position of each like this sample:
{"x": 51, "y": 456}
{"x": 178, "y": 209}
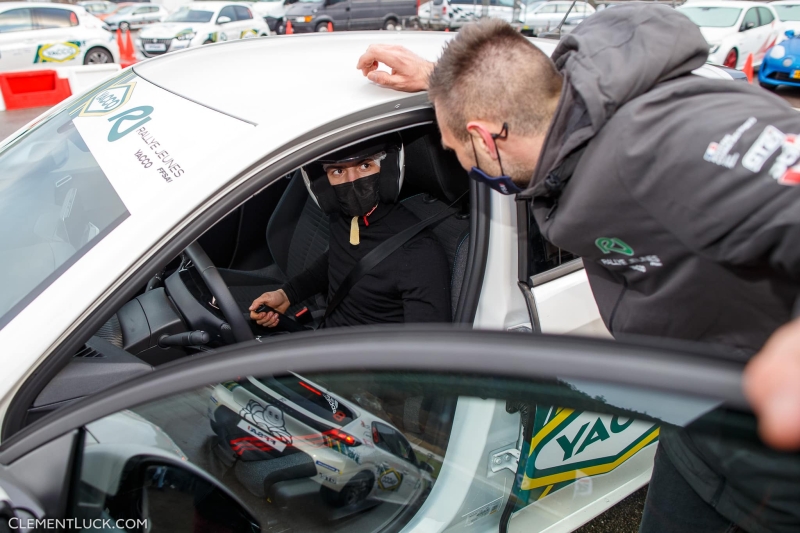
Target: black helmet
{"x": 391, "y": 173}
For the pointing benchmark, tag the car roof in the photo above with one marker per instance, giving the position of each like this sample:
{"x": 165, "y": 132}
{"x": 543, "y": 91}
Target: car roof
{"x": 722, "y": 3}
{"x": 294, "y": 83}
{"x": 786, "y": 3}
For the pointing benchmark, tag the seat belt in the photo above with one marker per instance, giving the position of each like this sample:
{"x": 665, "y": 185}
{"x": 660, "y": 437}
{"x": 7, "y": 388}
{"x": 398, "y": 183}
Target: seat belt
{"x": 378, "y": 254}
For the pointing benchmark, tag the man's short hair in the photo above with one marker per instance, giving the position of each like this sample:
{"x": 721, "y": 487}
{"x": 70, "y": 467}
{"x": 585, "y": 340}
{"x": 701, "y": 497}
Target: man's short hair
{"x": 489, "y": 71}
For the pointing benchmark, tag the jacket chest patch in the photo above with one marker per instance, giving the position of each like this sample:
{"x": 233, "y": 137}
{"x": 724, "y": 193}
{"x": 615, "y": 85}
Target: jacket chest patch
{"x": 613, "y": 245}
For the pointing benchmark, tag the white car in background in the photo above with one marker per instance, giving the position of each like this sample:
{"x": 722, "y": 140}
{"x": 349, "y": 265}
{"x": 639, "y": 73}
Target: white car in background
{"x": 789, "y": 13}
{"x": 453, "y": 14}
{"x": 36, "y": 35}
{"x": 539, "y": 17}
{"x": 272, "y": 11}
{"x": 198, "y": 23}
{"x": 136, "y": 16}
{"x": 735, "y": 29}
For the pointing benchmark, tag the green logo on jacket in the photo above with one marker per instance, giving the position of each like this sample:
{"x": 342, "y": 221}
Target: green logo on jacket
{"x": 608, "y": 245}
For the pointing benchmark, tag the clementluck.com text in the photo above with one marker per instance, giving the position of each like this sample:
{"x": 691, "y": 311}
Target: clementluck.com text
{"x": 100, "y": 524}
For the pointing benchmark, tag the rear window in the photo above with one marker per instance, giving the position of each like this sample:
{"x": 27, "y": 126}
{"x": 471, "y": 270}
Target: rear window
{"x": 712, "y": 17}
{"x": 50, "y": 17}
{"x": 16, "y": 20}
{"x": 788, "y": 12}
{"x": 190, "y": 15}
{"x": 309, "y": 397}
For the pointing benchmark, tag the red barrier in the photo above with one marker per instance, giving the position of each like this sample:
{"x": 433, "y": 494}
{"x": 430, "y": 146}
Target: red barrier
{"x": 33, "y": 89}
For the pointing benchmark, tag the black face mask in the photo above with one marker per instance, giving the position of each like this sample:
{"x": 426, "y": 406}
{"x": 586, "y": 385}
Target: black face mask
{"x": 358, "y": 197}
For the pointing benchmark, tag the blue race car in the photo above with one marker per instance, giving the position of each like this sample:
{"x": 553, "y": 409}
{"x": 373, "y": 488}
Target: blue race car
{"x": 781, "y": 65}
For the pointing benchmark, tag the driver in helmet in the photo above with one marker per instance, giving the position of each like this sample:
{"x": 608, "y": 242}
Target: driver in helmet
{"x": 358, "y": 188}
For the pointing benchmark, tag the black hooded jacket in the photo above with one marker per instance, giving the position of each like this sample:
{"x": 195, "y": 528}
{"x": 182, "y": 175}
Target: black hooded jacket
{"x": 680, "y": 195}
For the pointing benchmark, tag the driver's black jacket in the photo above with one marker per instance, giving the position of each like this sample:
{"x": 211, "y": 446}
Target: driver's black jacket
{"x": 412, "y": 285}
{"x": 685, "y": 207}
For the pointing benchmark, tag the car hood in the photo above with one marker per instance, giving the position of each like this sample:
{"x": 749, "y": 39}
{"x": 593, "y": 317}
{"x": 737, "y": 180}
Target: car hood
{"x": 792, "y": 46}
{"x": 715, "y": 35}
{"x": 167, "y": 30}
{"x": 302, "y": 8}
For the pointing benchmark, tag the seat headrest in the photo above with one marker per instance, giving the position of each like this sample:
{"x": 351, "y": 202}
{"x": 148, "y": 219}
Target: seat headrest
{"x": 430, "y": 168}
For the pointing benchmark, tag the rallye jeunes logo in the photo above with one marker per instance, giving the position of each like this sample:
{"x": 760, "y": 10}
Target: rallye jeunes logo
{"x": 57, "y": 52}
{"x": 108, "y": 100}
{"x": 389, "y": 479}
{"x": 247, "y": 34}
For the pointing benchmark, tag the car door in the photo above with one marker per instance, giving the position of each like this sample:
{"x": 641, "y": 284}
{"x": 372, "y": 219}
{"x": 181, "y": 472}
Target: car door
{"x": 230, "y": 29}
{"x": 244, "y": 23}
{"x": 397, "y": 475}
{"x": 58, "y": 37}
{"x": 769, "y": 33}
{"x": 17, "y": 39}
{"x": 531, "y": 438}
{"x": 365, "y": 15}
{"x": 750, "y": 35}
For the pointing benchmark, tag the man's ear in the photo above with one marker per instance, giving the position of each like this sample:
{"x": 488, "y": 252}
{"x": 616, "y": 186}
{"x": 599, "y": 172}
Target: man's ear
{"x": 482, "y": 136}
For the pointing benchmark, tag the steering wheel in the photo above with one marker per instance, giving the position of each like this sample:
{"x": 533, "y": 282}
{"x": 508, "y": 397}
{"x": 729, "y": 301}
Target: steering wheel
{"x": 211, "y": 276}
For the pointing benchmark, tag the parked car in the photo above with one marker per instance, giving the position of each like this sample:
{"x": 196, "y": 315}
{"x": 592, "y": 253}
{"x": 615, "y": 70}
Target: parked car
{"x": 314, "y": 15}
{"x": 781, "y": 65}
{"x": 273, "y": 12}
{"x": 789, "y": 14}
{"x": 136, "y": 16}
{"x": 199, "y": 23}
{"x": 453, "y": 14}
{"x": 99, "y": 8}
{"x": 116, "y": 205}
{"x": 735, "y": 29}
{"x": 539, "y": 17}
{"x": 37, "y": 35}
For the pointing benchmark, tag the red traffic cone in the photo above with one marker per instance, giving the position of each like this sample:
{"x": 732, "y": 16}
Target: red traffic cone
{"x": 447, "y": 29}
{"x": 748, "y": 68}
{"x": 330, "y": 26}
{"x": 120, "y": 44}
{"x": 289, "y": 29}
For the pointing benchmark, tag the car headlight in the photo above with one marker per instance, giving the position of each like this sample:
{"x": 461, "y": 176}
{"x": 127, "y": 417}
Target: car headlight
{"x": 186, "y": 36}
{"x": 307, "y": 18}
{"x": 712, "y": 48}
{"x": 787, "y": 62}
{"x": 777, "y": 52}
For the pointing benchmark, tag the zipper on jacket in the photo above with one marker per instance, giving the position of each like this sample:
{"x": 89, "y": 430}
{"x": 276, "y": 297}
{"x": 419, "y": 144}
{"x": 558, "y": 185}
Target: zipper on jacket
{"x": 616, "y": 305}
{"x": 552, "y": 210}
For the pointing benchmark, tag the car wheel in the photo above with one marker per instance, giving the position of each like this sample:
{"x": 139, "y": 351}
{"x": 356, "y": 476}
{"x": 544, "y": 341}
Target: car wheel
{"x": 322, "y": 26}
{"x": 354, "y": 492}
{"x": 98, "y": 56}
{"x": 124, "y": 26}
{"x": 208, "y": 41}
{"x": 731, "y": 59}
{"x": 390, "y": 24}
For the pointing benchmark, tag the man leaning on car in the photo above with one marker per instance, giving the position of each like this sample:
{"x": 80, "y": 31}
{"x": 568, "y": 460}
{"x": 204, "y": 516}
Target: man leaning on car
{"x": 679, "y": 192}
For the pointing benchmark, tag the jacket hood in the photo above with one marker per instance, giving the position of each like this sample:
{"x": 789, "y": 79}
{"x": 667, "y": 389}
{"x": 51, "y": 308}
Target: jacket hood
{"x": 611, "y": 58}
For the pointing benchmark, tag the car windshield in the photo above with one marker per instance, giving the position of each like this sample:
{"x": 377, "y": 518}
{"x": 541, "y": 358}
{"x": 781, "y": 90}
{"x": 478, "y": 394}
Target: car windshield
{"x": 190, "y": 15}
{"x": 55, "y": 204}
{"x": 788, "y": 12}
{"x": 712, "y": 17}
{"x": 125, "y": 10}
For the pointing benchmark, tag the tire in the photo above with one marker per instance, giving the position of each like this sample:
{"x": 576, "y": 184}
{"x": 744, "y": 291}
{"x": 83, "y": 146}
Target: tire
{"x": 124, "y": 26}
{"x": 390, "y": 24}
{"x": 353, "y": 493}
{"x": 97, "y": 56}
{"x": 321, "y": 27}
{"x": 731, "y": 59}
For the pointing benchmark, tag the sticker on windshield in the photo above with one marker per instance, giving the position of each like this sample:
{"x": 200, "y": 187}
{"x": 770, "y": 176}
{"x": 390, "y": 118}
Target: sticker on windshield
{"x": 57, "y": 52}
{"x": 108, "y": 100}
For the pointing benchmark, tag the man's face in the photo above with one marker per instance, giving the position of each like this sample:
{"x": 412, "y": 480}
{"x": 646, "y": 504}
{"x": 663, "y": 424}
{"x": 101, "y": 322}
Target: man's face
{"x": 339, "y": 173}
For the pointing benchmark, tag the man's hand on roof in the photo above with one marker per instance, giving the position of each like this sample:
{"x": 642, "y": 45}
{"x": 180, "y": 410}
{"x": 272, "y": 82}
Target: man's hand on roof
{"x": 772, "y": 384}
{"x": 409, "y": 73}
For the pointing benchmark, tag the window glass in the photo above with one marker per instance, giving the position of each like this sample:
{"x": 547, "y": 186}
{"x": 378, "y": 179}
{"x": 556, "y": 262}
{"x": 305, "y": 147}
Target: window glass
{"x": 485, "y": 449}
{"x": 765, "y": 16}
{"x": 55, "y": 204}
{"x": 49, "y": 17}
{"x": 227, "y": 11}
{"x": 712, "y": 17}
{"x": 142, "y": 11}
{"x": 242, "y": 13}
{"x": 16, "y": 20}
{"x": 788, "y": 12}
{"x": 563, "y": 8}
{"x": 186, "y": 14}
{"x": 547, "y": 9}
{"x": 750, "y": 17}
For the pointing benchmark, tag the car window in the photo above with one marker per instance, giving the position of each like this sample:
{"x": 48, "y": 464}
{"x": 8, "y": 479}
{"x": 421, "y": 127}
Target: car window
{"x": 788, "y": 12}
{"x": 142, "y": 11}
{"x": 242, "y": 13}
{"x": 751, "y": 17}
{"x": 186, "y": 14}
{"x": 563, "y": 8}
{"x": 16, "y": 20}
{"x": 49, "y": 17}
{"x": 227, "y": 11}
{"x": 464, "y": 450}
{"x": 55, "y": 205}
{"x": 765, "y": 15}
{"x": 547, "y": 9}
{"x": 712, "y": 17}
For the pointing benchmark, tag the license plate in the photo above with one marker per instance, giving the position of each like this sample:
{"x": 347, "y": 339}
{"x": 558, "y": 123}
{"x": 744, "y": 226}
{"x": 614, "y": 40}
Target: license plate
{"x": 796, "y": 74}
{"x": 155, "y": 47}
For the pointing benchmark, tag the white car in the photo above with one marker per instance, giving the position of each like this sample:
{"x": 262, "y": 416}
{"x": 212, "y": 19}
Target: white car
{"x": 538, "y": 17}
{"x": 136, "y": 16}
{"x": 37, "y": 35}
{"x": 272, "y": 11}
{"x": 199, "y": 23}
{"x": 453, "y": 14}
{"x": 789, "y": 13}
{"x": 735, "y": 29}
{"x": 116, "y": 205}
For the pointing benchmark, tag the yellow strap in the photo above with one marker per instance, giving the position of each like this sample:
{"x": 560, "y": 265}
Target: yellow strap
{"x": 354, "y": 239}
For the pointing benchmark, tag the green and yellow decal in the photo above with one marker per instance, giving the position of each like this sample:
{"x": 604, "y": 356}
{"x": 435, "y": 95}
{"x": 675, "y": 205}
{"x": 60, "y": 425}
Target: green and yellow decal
{"x": 246, "y": 34}
{"x": 57, "y": 52}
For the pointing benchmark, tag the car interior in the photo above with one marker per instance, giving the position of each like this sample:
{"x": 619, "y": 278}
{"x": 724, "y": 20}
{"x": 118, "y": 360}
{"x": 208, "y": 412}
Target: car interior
{"x": 268, "y": 239}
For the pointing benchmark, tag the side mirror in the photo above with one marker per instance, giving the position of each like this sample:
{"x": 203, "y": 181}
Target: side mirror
{"x": 789, "y": 34}
{"x": 748, "y": 26}
{"x": 153, "y": 493}
{"x": 223, "y": 20}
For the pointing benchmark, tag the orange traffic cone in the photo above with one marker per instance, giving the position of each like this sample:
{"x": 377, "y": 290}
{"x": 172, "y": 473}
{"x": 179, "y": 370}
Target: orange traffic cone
{"x": 748, "y": 68}
{"x": 127, "y": 56}
{"x": 120, "y": 43}
{"x": 330, "y": 26}
{"x": 447, "y": 29}
{"x": 289, "y": 29}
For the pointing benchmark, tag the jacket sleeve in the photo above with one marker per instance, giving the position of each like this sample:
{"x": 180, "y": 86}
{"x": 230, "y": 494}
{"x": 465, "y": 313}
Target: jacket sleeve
{"x": 725, "y": 182}
{"x": 424, "y": 283}
{"x": 313, "y": 280}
